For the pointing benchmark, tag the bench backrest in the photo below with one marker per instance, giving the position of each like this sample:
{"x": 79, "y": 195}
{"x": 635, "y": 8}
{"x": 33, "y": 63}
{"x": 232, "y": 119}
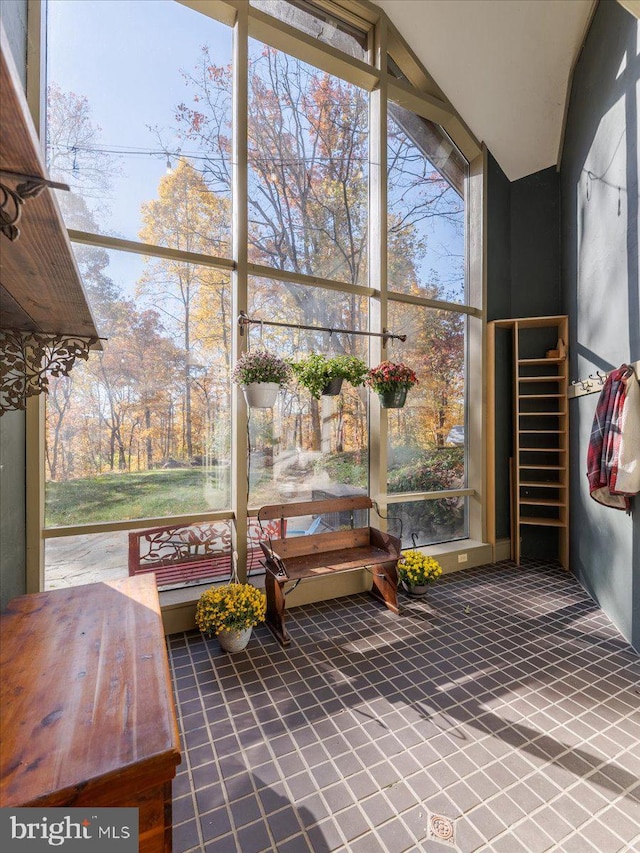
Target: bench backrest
{"x": 316, "y": 508}
{"x": 319, "y": 543}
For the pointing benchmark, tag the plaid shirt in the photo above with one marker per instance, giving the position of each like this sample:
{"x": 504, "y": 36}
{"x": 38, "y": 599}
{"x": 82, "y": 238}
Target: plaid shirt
{"x": 604, "y": 443}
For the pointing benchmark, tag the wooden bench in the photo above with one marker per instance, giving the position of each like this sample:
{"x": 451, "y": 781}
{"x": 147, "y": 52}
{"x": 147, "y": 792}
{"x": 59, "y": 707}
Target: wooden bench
{"x": 183, "y": 554}
{"x": 315, "y": 555}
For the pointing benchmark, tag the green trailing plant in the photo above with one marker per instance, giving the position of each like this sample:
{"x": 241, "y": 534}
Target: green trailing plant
{"x": 316, "y": 371}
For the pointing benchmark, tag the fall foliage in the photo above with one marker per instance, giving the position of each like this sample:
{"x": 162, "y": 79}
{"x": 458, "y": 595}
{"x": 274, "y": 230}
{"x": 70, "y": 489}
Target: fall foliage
{"x": 159, "y": 393}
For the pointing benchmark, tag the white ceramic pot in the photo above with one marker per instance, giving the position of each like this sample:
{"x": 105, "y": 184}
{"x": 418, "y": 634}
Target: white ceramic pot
{"x": 261, "y": 395}
{"x": 234, "y": 641}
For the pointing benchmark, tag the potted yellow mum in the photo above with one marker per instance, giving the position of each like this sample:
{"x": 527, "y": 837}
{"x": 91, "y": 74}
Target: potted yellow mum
{"x": 230, "y": 612}
{"x": 416, "y": 571}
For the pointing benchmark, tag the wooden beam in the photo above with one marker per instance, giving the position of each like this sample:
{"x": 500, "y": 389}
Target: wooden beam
{"x": 38, "y": 269}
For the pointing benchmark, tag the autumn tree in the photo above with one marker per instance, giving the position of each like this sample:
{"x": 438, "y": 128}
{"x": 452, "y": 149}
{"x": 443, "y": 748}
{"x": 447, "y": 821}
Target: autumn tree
{"x": 193, "y": 299}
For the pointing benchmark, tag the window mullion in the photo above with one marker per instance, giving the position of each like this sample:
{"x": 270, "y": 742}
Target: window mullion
{"x": 378, "y": 260}
{"x": 239, "y": 280}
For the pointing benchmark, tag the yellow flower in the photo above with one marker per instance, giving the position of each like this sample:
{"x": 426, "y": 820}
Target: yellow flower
{"x": 233, "y": 606}
{"x": 417, "y": 569}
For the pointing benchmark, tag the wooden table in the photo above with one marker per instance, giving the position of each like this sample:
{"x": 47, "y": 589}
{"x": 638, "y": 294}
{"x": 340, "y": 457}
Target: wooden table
{"x": 87, "y": 715}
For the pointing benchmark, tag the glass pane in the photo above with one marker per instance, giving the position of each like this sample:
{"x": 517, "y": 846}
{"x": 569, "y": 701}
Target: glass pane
{"x": 428, "y": 522}
{"x": 308, "y": 169}
{"x": 178, "y": 554}
{"x": 426, "y": 209}
{"x": 426, "y": 436}
{"x": 142, "y": 429}
{"x": 307, "y": 448}
{"x": 138, "y": 121}
{"x": 317, "y": 22}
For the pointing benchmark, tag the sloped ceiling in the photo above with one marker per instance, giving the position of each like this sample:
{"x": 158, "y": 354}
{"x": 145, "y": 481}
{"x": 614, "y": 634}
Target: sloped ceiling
{"x": 504, "y": 65}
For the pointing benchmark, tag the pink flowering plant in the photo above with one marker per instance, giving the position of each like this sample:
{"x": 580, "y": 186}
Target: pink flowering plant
{"x": 390, "y": 376}
{"x": 260, "y": 366}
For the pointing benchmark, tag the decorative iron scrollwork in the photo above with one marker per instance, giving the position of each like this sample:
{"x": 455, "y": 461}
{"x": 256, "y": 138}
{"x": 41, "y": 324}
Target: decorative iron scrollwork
{"x": 28, "y": 359}
{"x": 11, "y": 200}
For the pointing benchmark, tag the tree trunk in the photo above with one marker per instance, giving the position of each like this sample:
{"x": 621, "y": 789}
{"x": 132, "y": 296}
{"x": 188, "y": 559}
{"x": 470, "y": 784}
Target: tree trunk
{"x": 147, "y": 424}
{"x": 316, "y": 426}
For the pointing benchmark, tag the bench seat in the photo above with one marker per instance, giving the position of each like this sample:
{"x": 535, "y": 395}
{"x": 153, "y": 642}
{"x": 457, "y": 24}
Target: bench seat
{"x": 343, "y": 560}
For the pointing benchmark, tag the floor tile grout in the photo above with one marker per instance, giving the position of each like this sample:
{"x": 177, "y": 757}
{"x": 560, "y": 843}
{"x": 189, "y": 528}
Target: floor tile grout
{"x": 458, "y": 685}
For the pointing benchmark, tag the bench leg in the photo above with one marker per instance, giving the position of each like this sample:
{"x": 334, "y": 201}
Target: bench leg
{"x": 274, "y": 590}
{"x": 385, "y": 585}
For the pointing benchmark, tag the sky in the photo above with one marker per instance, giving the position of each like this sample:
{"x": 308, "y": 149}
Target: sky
{"x": 136, "y": 48}
{"x": 139, "y": 47}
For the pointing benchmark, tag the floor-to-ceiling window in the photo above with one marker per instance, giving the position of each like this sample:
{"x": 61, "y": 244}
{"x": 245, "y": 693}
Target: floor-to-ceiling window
{"x": 142, "y": 123}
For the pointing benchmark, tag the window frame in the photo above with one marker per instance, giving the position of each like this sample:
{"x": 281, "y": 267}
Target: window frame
{"x": 419, "y": 93}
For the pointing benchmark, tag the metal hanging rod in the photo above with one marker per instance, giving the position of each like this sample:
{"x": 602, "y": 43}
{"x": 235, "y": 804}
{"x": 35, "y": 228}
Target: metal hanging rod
{"x": 244, "y": 320}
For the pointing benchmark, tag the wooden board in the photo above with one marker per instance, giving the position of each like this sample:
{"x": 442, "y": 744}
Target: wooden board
{"x": 314, "y": 507}
{"x": 328, "y": 562}
{"x": 38, "y": 271}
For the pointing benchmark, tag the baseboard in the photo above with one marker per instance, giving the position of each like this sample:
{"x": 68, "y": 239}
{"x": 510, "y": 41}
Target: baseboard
{"x": 179, "y": 606}
{"x": 502, "y": 550}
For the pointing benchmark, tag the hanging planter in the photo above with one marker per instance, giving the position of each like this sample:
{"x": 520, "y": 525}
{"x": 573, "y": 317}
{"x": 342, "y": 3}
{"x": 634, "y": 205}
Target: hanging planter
{"x": 261, "y": 375}
{"x": 394, "y": 399}
{"x": 333, "y": 388}
{"x": 322, "y": 375}
{"x": 391, "y": 382}
{"x": 234, "y": 641}
{"x": 261, "y": 395}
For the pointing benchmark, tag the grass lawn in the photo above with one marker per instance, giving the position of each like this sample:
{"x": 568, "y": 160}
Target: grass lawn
{"x": 114, "y": 497}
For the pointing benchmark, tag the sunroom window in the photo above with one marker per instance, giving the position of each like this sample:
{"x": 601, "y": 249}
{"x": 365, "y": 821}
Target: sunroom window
{"x": 146, "y": 443}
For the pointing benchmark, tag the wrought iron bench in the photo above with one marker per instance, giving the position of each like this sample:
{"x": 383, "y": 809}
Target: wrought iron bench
{"x": 182, "y": 555}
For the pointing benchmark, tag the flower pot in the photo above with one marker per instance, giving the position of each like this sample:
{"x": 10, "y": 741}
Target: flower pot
{"x": 234, "y": 640}
{"x": 415, "y": 590}
{"x": 261, "y": 395}
{"x": 333, "y": 387}
{"x": 393, "y": 399}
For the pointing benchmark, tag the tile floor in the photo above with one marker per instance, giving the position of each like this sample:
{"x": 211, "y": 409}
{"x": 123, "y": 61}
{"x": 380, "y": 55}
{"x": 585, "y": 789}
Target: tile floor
{"x": 504, "y": 703}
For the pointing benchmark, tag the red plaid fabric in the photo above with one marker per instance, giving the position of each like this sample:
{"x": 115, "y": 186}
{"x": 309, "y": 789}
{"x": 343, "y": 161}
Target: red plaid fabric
{"x": 604, "y": 443}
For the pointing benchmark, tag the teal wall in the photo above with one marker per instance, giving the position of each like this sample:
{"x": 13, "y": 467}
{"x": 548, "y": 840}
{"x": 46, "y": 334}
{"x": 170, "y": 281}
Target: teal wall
{"x": 13, "y": 14}
{"x": 523, "y": 280}
{"x": 599, "y": 181}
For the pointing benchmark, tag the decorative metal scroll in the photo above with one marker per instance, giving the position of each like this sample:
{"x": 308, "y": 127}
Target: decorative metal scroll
{"x": 181, "y": 555}
{"x": 11, "y": 200}
{"x": 28, "y": 359}
{"x": 179, "y": 543}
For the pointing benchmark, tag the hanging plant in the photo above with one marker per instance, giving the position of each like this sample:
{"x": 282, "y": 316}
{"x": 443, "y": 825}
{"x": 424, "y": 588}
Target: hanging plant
{"x": 391, "y": 381}
{"x": 261, "y": 366}
{"x": 321, "y": 374}
{"x": 261, "y": 375}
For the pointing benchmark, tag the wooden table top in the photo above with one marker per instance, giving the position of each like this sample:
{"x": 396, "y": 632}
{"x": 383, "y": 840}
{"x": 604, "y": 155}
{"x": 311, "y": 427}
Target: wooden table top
{"x": 85, "y": 691}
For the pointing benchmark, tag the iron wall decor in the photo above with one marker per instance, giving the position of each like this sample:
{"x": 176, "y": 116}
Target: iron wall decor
{"x": 28, "y": 359}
